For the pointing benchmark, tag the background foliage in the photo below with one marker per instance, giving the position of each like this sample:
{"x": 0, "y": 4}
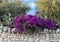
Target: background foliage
{"x": 13, "y": 9}
{"x": 50, "y": 9}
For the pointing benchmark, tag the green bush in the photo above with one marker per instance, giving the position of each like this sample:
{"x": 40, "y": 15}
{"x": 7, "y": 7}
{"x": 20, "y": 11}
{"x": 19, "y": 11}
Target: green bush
{"x": 17, "y": 8}
{"x": 7, "y": 19}
{"x": 50, "y": 9}
{"x": 13, "y": 9}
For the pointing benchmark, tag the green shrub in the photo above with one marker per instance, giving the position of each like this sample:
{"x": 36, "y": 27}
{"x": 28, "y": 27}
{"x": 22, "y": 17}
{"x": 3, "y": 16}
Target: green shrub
{"x": 13, "y": 9}
{"x": 50, "y": 9}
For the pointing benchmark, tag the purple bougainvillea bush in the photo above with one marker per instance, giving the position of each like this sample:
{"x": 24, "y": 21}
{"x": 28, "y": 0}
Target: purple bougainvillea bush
{"x": 30, "y": 23}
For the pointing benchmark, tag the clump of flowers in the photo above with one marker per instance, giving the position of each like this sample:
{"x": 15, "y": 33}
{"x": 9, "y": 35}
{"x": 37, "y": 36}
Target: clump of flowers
{"x": 25, "y": 23}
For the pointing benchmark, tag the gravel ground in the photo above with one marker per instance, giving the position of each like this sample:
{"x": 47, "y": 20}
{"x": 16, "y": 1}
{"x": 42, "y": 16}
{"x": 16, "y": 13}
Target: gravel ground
{"x": 10, "y": 37}
{"x": 46, "y": 36}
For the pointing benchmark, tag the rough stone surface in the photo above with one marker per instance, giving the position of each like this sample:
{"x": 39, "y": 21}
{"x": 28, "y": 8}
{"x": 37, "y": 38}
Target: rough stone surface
{"x": 6, "y": 37}
{"x": 42, "y": 37}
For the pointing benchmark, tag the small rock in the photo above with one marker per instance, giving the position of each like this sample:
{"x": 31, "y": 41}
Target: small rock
{"x": 13, "y": 30}
{"x": 22, "y": 37}
{"x": 58, "y": 31}
{"x": 50, "y": 31}
{"x": 45, "y": 30}
{"x": 5, "y": 29}
{"x": 9, "y": 30}
{"x": 24, "y": 41}
{"x": 0, "y": 39}
{"x": 0, "y": 31}
{"x": 41, "y": 41}
{"x": 47, "y": 36}
{"x": 30, "y": 39}
{"x": 25, "y": 38}
{"x": 1, "y": 27}
{"x": 54, "y": 31}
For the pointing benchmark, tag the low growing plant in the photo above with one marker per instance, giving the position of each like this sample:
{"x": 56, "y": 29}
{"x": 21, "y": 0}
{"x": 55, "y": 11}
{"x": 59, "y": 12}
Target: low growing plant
{"x": 29, "y": 23}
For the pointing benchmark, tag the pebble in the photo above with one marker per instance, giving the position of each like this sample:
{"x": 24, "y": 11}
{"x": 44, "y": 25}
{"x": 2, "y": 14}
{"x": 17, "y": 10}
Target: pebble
{"x": 46, "y": 31}
{"x": 58, "y": 31}
{"x": 25, "y": 41}
{"x": 30, "y": 40}
{"x": 42, "y": 41}
{"x": 25, "y": 38}
{"x": 1, "y": 27}
{"x": 0, "y": 31}
{"x": 22, "y": 37}
{"x": 13, "y": 30}
{"x": 50, "y": 31}
{"x": 9, "y": 30}
{"x": 47, "y": 36}
{"x": 5, "y": 29}
{"x": 55, "y": 36}
{"x": 0, "y": 39}
{"x": 59, "y": 40}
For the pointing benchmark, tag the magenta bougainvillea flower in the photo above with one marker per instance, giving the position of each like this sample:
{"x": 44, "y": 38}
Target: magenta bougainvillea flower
{"x": 40, "y": 21}
{"x": 50, "y": 24}
{"x": 24, "y": 22}
{"x": 37, "y": 12}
